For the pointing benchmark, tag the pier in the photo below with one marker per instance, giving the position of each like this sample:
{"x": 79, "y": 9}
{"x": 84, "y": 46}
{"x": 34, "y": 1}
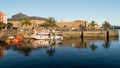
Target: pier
{"x": 71, "y": 34}
{"x": 83, "y": 34}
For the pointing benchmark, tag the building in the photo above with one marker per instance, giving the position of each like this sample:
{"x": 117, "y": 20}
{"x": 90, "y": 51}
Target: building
{"x": 75, "y": 25}
{"x": 17, "y": 19}
{"x": 3, "y": 17}
{"x": 115, "y": 27}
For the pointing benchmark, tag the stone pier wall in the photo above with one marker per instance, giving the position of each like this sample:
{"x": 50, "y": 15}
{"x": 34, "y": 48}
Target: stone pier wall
{"x": 74, "y": 34}
{"x": 112, "y": 33}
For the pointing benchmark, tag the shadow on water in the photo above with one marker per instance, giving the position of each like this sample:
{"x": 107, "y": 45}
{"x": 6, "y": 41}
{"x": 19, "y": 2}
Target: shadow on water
{"x": 30, "y": 45}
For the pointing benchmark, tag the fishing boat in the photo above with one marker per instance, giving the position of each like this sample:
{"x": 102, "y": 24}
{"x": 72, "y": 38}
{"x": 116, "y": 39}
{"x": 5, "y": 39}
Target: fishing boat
{"x": 51, "y": 35}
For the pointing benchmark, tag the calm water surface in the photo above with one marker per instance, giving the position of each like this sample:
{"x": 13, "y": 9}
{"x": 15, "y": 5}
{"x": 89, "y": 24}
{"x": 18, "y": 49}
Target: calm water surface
{"x": 69, "y": 53}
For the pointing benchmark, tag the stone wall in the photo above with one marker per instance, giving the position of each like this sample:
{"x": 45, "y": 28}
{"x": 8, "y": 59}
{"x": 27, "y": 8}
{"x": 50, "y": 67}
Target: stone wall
{"x": 71, "y": 34}
{"x": 112, "y": 33}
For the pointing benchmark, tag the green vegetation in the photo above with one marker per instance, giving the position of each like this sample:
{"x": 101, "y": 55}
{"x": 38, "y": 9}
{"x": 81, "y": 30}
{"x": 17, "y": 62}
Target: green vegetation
{"x": 92, "y": 24}
{"x": 106, "y": 25}
{"x": 26, "y": 22}
{"x": 2, "y": 25}
{"x": 51, "y": 22}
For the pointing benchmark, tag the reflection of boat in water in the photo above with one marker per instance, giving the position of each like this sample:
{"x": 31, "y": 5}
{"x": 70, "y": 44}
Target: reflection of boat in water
{"x": 55, "y": 42}
{"x": 14, "y": 40}
{"x": 43, "y": 43}
{"x": 44, "y": 34}
{"x": 39, "y": 43}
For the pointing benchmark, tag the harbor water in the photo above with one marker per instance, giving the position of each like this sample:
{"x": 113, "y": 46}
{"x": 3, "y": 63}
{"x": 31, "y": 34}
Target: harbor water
{"x": 68, "y": 53}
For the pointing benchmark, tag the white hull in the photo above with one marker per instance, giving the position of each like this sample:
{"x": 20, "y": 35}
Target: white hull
{"x": 47, "y": 35}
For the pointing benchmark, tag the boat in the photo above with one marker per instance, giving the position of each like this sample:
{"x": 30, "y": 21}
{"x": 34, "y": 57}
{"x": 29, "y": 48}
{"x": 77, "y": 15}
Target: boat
{"x": 46, "y": 34}
{"x": 11, "y": 37}
{"x": 14, "y": 40}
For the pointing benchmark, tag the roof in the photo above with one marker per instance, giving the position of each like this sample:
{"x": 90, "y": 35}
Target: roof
{"x": 37, "y": 18}
{"x": 19, "y": 16}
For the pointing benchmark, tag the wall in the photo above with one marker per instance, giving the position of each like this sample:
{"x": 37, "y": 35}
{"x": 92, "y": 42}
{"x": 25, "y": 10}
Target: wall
{"x": 112, "y": 33}
{"x": 75, "y": 24}
{"x": 17, "y": 23}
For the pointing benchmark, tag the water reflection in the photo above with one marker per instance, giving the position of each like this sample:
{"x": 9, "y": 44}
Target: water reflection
{"x": 2, "y": 52}
{"x": 30, "y": 45}
{"x": 50, "y": 50}
{"x": 93, "y": 46}
{"x": 106, "y": 44}
{"x": 26, "y": 51}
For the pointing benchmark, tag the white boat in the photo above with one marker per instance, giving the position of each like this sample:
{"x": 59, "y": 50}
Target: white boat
{"x": 11, "y": 37}
{"x": 52, "y": 35}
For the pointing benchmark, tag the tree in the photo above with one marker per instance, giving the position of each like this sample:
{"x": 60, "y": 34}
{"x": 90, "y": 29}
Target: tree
{"x": 65, "y": 27}
{"x": 93, "y": 24}
{"x": 2, "y": 25}
{"x": 106, "y": 25}
{"x": 26, "y": 22}
{"x": 81, "y": 27}
{"x": 9, "y": 26}
{"x": 51, "y": 22}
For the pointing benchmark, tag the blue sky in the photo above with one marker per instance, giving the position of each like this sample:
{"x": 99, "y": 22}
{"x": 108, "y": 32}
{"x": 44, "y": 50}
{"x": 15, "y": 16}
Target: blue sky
{"x": 66, "y": 10}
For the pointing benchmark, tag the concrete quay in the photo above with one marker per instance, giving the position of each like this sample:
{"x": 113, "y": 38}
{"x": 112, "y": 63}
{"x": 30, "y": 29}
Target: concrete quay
{"x": 72, "y": 34}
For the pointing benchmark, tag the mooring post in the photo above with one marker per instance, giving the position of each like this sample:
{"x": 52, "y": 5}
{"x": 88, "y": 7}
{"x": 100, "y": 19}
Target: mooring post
{"x": 82, "y": 35}
{"x": 107, "y": 36}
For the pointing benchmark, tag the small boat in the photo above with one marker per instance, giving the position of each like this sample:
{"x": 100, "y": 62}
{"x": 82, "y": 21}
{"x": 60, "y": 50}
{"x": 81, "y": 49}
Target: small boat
{"x": 11, "y": 37}
{"x": 51, "y": 35}
{"x": 14, "y": 40}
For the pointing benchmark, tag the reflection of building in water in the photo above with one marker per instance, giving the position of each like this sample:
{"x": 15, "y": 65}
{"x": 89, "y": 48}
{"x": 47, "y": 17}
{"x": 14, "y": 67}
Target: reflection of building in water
{"x": 2, "y": 52}
{"x": 77, "y": 43}
{"x": 107, "y": 42}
